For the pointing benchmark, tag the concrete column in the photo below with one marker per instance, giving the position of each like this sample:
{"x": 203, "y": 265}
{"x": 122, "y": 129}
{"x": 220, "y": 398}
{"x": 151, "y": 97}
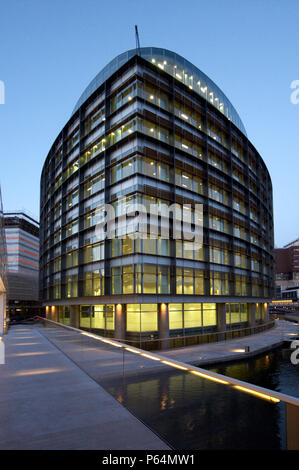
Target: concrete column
{"x": 120, "y": 321}
{"x": 2, "y": 313}
{"x": 163, "y": 324}
{"x": 48, "y": 312}
{"x": 251, "y": 314}
{"x": 265, "y": 312}
{"x": 74, "y": 316}
{"x": 53, "y": 315}
{"x": 221, "y": 320}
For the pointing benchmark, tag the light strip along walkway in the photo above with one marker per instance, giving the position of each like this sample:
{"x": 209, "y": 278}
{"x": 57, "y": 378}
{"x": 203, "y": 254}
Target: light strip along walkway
{"x": 68, "y": 339}
{"x": 102, "y": 357}
{"x": 48, "y": 402}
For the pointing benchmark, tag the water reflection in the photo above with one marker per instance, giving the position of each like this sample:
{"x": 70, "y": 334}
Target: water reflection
{"x": 193, "y": 413}
{"x": 188, "y": 411}
{"x": 273, "y": 370}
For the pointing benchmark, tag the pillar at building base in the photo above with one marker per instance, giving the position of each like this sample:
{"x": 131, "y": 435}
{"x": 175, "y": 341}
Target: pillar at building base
{"x": 74, "y": 316}
{"x": 221, "y": 320}
{"x": 265, "y": 312}
{"x": 47, "y": 312}
{"x": 120, "y": 322}
{"x": 252, "y": 314}
{"x": 53, "y": 315}
{"x": 163, "y": 325}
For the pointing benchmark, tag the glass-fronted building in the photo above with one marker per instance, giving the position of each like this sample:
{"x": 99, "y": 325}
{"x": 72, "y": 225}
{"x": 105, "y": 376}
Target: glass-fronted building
{"x": 152, "y": 128}
{"x": 3, "y": 277}
{"x": 22, "y": 266}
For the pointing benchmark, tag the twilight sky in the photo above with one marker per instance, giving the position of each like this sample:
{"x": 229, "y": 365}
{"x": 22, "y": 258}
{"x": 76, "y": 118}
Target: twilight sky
{"x": 51, "y": 49}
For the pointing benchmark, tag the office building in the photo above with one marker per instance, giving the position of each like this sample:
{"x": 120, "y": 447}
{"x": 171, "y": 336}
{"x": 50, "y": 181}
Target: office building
{"x": 287, "y": 271}
{"x": 3, "y": 280}
{"x": 22, "y": 241}
{"x": 154, "y": 129}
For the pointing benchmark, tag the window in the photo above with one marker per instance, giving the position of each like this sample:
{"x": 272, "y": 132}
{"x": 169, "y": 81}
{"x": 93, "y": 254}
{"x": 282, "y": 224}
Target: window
{"x": 142, "y": 317}
{"x": 92, "y": 121}
{"x": 95, "y": 184}
{"x": 124, "y": 96}
{"x": 218, "y": 194}
{"x": 217, "y": 162}
{"x": 72, "y": 228}
{"x": 239, "y": 205}
{"x": 219, "y": 283}
{"x": 240, "y": 285}
{"x": 236, "y": 313}
{"x": 175, "y": 312}
{"x": 154, "y": 169}
{"x": 72, "y": 259}
{"x": 218, "y": 255}
{"x": 217, "y": 223}
{"x": 103, "y": 317}
{"x": 192, "y": 315}
{"x": 189, "y": 281}
{"x": 209, "y": 314}
{"x": 123, "y": 170}
{"x": 128, "y": 280}
{"x": 240, "y": 260}
{"x": 185, "y": 180}
{"x": 155, "y": 96}
{"x": 94, "y": 283}
{"x": 94, "y": 252}
{"x": 149, "y": 279}
{"x": 85, "y": 314}
{"x": 72, "y": 286}
{"x": 163, "y": 280}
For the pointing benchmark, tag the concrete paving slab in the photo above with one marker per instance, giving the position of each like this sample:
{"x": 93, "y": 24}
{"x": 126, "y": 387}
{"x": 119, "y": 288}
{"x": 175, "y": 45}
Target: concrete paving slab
{"x": 48, "y": 402}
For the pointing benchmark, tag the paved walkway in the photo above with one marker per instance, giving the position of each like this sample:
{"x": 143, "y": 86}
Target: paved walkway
{"x": 233, "y": 349}
{"x": 53, "y": 386}
{"x": 48, "y": 402}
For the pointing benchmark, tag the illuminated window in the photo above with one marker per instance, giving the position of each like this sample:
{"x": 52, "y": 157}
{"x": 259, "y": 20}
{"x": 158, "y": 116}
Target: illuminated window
{"x": 142, "y": 317}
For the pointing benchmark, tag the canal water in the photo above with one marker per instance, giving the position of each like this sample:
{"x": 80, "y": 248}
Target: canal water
{"x": 273, "y": 370}
{"x": 189, "y": 412}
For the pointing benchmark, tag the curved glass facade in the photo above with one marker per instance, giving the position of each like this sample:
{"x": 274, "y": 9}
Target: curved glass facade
{"x": 179, "y": 68}
{"x": 139, "y": 135}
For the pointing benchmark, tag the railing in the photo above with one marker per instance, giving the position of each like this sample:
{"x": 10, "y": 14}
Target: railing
{"x": 181, "y": 341}
{"x": 203, "y": 338}
{"x": 291, "y": 420}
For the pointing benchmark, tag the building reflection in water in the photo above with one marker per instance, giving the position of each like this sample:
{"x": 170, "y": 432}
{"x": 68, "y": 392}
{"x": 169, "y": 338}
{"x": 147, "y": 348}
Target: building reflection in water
{"x": 190, "y": 412}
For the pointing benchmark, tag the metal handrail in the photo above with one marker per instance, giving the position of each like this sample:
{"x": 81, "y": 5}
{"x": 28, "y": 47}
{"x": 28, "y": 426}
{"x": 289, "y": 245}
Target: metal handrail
{"x": 262, "y": 327}
{"x": 183, "y": 339}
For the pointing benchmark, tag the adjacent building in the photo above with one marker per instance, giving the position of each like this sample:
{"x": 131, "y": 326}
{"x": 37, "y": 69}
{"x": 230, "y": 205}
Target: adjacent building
{"x": 3, "y": 280}
{"x": 152, "y": 128}
{"x": 22, "y": 241}
{"x": 287, "y": 271}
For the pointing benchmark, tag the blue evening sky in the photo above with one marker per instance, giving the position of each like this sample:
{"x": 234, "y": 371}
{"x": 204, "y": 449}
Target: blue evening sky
{"x": 51, "y": 49}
